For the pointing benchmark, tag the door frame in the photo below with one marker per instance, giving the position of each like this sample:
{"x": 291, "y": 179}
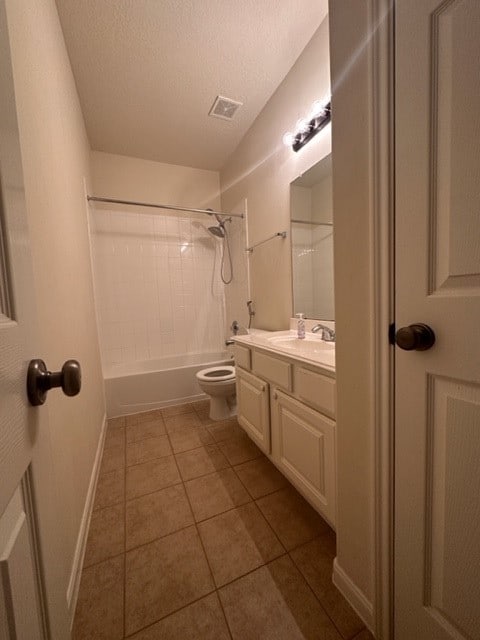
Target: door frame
{"x": 382, "y": 302}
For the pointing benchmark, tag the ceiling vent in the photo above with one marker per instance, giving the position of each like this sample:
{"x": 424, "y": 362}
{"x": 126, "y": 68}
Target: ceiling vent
{"x": 224, "y": 108}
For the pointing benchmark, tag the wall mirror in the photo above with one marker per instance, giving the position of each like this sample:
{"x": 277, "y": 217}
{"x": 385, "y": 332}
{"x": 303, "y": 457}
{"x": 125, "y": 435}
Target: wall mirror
{"x": 311, "y": 222}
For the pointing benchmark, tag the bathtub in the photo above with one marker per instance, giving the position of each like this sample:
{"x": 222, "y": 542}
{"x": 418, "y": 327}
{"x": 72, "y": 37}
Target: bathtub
{"x": 152, "y": 384}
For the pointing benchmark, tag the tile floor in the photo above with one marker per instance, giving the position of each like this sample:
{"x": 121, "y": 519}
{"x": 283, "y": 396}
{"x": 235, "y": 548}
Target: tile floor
{"x": 195, "y": 535}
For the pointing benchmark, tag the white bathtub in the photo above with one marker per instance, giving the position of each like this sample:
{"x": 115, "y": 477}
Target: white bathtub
{"x": 152, "y": 384}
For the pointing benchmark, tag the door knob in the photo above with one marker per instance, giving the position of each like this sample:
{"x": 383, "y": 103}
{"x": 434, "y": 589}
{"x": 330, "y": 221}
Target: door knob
{"x": 40, "y": 380}
{"x": 415, "y": 337}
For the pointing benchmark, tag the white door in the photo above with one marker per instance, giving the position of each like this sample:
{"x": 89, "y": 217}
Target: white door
{"x": 437, "y": 496}
{"x": 21, "y": 611}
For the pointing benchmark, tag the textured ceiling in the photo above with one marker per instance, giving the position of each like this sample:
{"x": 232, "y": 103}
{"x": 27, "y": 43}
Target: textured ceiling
{"x": 148, "y": 71}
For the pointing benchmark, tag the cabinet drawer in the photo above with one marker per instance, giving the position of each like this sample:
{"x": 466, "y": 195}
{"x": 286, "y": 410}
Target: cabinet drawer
{"x": 316, "y": 389}
{"x": 243, "y": 357}
{"x": 273, "y": 369}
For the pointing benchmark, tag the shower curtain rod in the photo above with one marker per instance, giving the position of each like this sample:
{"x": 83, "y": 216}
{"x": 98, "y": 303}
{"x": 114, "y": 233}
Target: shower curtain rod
{"x": 172, "y": 207}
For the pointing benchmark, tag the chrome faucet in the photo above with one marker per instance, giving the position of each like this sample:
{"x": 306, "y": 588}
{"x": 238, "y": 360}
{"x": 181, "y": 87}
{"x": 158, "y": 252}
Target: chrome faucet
{"x": 327, "y": 334}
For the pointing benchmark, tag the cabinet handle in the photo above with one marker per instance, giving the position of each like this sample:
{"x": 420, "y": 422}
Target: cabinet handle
{"x": 275, "y": 395}
{"x": 262, "y": 388}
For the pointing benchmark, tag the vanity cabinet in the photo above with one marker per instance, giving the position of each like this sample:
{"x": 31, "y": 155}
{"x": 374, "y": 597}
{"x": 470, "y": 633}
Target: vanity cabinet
{"x": 288, "y": 408}
{"x": 253, "y": 411}
{"x": 303, "y": 446}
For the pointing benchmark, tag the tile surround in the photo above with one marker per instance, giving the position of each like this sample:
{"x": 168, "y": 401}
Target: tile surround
{"x": 152, "y": 274}
{"x": 234, "y": 553}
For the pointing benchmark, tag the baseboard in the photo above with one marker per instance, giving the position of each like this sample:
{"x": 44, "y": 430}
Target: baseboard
{"x": 77, "y": 564}
{"x": 353, "y": 595}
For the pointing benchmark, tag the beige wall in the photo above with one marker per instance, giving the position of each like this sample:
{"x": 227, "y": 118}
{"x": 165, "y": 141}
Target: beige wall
{"x": 128, "y": 178}
{"x": 351, "y": 144}
{"x": 55, "y": 154}
{"x": 261, "y": 169}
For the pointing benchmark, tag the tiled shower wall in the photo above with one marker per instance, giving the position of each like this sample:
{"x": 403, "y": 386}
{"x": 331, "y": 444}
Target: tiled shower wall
{"x": 157, "y": 286}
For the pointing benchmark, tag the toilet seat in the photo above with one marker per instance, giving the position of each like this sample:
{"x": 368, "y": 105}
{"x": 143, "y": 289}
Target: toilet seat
{"x": 217, "y": 374}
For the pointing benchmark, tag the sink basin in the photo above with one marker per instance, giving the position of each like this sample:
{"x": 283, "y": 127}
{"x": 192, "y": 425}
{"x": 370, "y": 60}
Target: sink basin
{"x": 310, "y": 344}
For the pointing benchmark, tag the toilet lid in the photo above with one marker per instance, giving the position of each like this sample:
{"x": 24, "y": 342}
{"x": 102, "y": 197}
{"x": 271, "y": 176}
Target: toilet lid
{"x": 217, "y": 374}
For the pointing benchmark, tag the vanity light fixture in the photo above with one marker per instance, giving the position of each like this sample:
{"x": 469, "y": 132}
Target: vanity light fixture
{"x": 307, "y": 128}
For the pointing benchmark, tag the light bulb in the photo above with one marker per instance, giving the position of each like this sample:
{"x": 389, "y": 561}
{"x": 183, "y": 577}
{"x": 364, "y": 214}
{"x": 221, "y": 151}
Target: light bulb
{"x": 302, "y": 125}
{"x": 317, "y": 109}
{"x": 288, "y": 139}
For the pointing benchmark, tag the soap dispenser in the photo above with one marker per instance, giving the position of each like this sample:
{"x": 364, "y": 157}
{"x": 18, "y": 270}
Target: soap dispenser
{"x": 300, "y": 326}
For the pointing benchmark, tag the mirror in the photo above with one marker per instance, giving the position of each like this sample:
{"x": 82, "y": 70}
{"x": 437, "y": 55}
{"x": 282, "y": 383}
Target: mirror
{"x": 311, "y": 219}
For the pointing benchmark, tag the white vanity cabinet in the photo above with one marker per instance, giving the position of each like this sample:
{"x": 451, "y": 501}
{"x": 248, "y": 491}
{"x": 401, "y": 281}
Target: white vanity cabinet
{"x": 303, "y": 447}
{"x": 288, "y": 408}
{"x": 253, "y": 412}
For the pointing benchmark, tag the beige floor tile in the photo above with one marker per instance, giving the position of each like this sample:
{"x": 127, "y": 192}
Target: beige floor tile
{"x": 182, "y": 421}
{"x": 364, "y": 635}
{"x": 190, "y": 438}
{"x": 114, "y": 438}
{"x": 205, "y": 419}
{"x": 215, "y": 493}
{"x": 164, "y": 576}
{"x": 225, "y": 429}
{"x": 275, "y": 603}
{"x": 99, "y": 612}
{"x": 176, "y": 410}
{"x": 156, "y": 515}
{"x": 237, "y": 542}
{"x": 144, "y": 416}
{"x": 204, "y": 414}
{"x": 291, "y": 517}
{"x": 199, "y": 462}
{"x": 113, "y": 459}
{"x": 110, "y": 489}
{"x": 137, "y": 432}
{"x": 201, "y": 405}
{"x": 149, "y": 449}
{"x": 315, "y": 561}
{"x": 151, "y": 476}
{"x": 106, "y": 535}
{"x": 240, "y": 449}
{"x": 112, "y": 423}
{"x": 260, "y": 477}
{"x": 202, "y": 620}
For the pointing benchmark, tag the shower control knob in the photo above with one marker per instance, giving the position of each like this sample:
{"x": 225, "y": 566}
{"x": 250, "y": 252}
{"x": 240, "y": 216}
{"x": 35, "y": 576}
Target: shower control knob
{"x": 415, "y": 337}
{"x": 40, "y": 380}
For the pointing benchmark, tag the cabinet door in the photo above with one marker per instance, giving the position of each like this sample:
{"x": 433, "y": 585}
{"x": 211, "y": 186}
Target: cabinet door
{"x": 253, "y": 408}
{"x": 303, "y": 443}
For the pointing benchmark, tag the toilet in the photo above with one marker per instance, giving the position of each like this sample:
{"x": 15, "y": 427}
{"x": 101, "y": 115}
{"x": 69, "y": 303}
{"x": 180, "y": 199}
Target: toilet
{"x": 219, "y": 384}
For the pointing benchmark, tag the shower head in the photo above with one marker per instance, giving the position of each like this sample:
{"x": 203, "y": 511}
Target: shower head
{"x": 218, "y": 231}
